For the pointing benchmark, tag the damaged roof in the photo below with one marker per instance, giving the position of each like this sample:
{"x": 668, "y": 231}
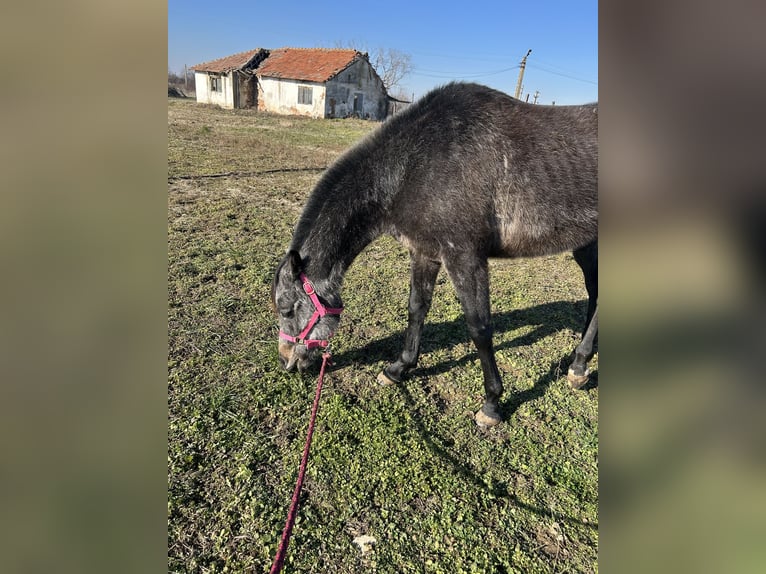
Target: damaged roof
{"x": 307, "y": 64}
{"x": 234, "y": 62}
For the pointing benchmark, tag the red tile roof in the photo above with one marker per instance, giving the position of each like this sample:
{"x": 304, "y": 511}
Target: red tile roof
{"x": 308, "y": 64}
{"x": 228, "y": 63}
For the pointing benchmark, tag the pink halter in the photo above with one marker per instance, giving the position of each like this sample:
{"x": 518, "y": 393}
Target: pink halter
{"x": 319, "y": 311}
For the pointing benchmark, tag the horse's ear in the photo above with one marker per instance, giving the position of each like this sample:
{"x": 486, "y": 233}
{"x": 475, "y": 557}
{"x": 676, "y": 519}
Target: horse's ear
{"x": 294, "y": 263}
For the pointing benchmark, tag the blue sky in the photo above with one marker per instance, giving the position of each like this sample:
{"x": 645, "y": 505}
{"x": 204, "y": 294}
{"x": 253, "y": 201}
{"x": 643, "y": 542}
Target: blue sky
{"x": 481, "y": 41}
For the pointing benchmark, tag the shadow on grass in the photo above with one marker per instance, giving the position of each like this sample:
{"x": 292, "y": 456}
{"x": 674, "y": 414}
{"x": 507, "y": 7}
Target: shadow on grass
{"x": 548, "y": 318}
{"x": 496, "y": 489}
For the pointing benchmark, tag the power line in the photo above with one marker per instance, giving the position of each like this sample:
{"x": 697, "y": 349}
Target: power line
{"x": 571, "y": 77}
{"x": 460, "y": 57}
{"x": 555, "y": 66}
{"x": 443, "y": 74}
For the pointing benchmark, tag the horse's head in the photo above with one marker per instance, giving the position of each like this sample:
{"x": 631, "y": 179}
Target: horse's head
{"x": 306, "y": 320}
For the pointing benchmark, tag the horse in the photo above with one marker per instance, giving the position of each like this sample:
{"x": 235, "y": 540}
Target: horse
{"x": 465, "y": 174}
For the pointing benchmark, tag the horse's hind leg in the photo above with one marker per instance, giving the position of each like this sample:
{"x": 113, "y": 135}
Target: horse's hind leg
{"x": 587, "y": 259}
{"x": 471, "y": 281}
{"x": 578, "y": 371}
{"x": 423, "y": 274}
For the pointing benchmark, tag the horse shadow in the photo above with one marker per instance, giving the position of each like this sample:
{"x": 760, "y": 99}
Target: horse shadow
{"x": 547, "y": 318}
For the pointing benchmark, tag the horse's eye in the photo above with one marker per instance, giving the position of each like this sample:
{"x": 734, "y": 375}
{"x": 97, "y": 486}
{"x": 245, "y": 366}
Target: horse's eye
{"x": 286, "y": 312}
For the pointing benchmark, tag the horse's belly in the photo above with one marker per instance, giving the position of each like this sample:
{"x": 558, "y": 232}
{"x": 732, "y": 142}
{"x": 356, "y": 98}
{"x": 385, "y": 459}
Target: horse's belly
{"x": 532, "y": 239}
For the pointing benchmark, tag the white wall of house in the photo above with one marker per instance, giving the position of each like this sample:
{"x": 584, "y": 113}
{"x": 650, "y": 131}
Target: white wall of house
{"x": 356, "y": 89}
{"x": 281, "y": 96}
{"x": 358, "y": 83}
{"x": 223, "y": 98}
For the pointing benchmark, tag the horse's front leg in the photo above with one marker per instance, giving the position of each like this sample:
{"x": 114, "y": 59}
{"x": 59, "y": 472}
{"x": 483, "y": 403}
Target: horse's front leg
{"x": 423, "y": 274}
{"x": 471, "y": 280}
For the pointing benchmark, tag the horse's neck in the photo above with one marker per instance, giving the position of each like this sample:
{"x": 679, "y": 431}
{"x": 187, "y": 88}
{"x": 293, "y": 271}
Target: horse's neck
{"x": 328, "y": 261}
{"x": 344, "y": 214}
{"x": 336, "y": 237}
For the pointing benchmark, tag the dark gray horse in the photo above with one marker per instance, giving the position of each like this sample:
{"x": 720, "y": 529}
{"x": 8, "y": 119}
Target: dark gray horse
{"x": 464, "y": 174}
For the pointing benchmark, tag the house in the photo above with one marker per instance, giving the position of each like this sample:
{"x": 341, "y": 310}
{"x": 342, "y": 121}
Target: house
{"x": 321, "y": 83}
{"x": 229, "y": 82}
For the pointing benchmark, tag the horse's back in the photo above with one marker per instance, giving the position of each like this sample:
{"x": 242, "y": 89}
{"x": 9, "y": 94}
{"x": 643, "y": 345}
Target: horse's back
{"x": 547, "y": 199}
{"x": 479, "y": 170}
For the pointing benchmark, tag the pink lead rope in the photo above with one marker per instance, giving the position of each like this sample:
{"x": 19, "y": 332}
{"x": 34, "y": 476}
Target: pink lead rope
{"x": 279, "y": 559}
{"x": 319, "y": 311}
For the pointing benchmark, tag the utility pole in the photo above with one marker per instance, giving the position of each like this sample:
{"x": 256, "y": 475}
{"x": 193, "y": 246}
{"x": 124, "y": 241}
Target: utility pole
{"x": 537, "y": 95}
{"x": 186, "y": 78}
{"x": 521, "y": 74}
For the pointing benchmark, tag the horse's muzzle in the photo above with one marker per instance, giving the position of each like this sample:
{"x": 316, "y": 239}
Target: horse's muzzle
{"x": 294, "y": 356}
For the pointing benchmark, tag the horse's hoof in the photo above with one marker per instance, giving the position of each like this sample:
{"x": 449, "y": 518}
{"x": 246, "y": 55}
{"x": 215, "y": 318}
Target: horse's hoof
{"x": 577, "y": 381}
{"x": 384, "y": 380}
{"x": 485, "y": 421}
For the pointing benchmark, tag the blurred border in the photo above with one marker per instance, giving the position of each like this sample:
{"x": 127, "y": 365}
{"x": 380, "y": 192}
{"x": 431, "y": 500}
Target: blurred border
{"x": 682, "y": 181}
{"x": 83, "y": 411}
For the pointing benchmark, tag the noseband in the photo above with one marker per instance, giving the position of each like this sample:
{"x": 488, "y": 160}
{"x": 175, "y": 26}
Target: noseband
{"x": 319, "y": 312}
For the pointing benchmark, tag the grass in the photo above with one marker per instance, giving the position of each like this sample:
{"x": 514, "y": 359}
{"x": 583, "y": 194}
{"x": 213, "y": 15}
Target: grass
{"x": 403, "y": 464}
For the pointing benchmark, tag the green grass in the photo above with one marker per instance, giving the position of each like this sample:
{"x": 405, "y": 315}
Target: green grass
{"x": 404, "y": 464}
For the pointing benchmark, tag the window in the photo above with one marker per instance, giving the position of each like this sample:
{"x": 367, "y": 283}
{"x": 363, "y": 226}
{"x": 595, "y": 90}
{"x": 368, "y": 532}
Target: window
{"x": 215, "y": 84}
{"x": 305, "y": 95}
